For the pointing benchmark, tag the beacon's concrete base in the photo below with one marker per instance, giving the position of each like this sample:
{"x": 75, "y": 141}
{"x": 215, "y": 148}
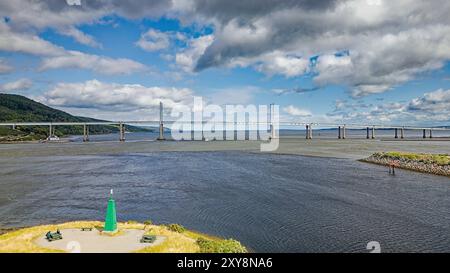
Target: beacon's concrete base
{"x": 75, "y": 240}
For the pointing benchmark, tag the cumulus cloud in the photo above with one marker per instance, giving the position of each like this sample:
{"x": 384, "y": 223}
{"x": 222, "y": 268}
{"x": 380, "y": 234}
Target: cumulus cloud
{"x": 57, "y": 57}
{"x": 432, "y": 107}
{"x": 378, "y": 36}
{"x": 387, "y": 42}
{"x": 153, "y": 40}
{"x": 99, "y": 64}
{"x": 18, "y": 85}
{"x": 26, "y": 43}
{"x": 295, "y": 111}
{"x": 187, "y": 58}
{"x": 433, "y": 103}
{"x": 113, "y": 96}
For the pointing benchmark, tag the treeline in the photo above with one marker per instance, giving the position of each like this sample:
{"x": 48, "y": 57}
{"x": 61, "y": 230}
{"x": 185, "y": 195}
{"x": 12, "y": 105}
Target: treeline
{"x": 16, "y": 108}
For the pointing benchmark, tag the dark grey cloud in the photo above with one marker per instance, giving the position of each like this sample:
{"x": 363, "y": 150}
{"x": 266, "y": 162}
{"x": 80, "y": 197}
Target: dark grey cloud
{"x": 247, "y": 10}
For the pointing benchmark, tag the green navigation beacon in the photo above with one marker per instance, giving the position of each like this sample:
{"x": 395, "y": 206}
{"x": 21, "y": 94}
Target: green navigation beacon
{"x": 111, "y": 218}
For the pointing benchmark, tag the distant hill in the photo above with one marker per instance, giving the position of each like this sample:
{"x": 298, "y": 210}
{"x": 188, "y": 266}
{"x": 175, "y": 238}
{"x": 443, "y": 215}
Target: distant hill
{"x": 16, "y": 108}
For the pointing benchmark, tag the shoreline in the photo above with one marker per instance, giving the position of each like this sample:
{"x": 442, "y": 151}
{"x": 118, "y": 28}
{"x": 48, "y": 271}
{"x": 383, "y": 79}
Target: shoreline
{"x": 26, "y": 239}
{"x": 402, "y": 162}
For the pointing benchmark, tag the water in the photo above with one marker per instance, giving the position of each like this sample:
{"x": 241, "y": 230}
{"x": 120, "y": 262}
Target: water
{"x": 271, "y": 203}
{"x": 320, "y": 134}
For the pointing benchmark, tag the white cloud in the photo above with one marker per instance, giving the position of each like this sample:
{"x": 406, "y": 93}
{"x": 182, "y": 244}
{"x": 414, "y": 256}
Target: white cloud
{"x": 187, "y": 58}
{"x": 115, "y": 97}
{"x": 18, "y": 85}
{"x": 57, "y": 57}
{"x": 26, "y": 43}
{"x": 99, "y": 64}
{"x": 389, "y": 42}
{"x": 295, "y": 111}
{"x": 153, "y": 40}
{"x": 432, "y": 107}
{"x": 433, "y": 103}
{"x": 79, "y": 36}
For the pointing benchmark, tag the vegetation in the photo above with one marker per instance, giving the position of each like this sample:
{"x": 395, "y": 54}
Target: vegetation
{"x": 439, "y": 159}
{"x": 222, "y": 246}
{"x": 16, "y": 108}
{"x": 22, "y": 240}
{"x": 438, "y": 164}
{"x": 176, "y": 228}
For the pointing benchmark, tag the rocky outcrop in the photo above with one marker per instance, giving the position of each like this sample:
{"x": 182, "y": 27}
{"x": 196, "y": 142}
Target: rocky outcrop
{"x": 409, "y": 164}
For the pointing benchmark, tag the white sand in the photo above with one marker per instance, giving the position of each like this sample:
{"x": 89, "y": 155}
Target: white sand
{"x": 77, "y": 241}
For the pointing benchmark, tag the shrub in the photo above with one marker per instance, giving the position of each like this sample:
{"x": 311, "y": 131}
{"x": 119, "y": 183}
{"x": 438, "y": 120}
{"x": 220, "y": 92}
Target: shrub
{"x": 222, "y": 246}
{"x": 132, "y": 222}
{"x": 148, "y": 222}
{"x": 176, "y": 228}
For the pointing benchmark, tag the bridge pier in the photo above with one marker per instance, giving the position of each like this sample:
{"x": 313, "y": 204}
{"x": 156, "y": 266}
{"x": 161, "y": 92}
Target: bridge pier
{"x": 85, "y": 133}
{"x": 373, "y": 132}
{"x": 424, "y": 133}
{"x": 121, "y": 132}
{"x": 50, "y": 131}
{"x": 402, "y": 132}
{"x": 339, "y": 132}
{"x": 308, "y": 131}
{"x": 344, "y": 132}
{"x": 396, "y": 132}
{"x": 272, "y": 132}
{"x": 431, "y": 133}
{"x": 161, "y": 122}
{"x": 367, "y": 133}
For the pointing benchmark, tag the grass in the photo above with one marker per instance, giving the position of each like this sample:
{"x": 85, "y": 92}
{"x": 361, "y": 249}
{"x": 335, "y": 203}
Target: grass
{"x": 439, "y": 159}
{"x": 22, "y": 240}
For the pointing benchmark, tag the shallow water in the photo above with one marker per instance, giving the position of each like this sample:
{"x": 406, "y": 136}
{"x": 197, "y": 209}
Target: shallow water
{"x": 271, "y": 203}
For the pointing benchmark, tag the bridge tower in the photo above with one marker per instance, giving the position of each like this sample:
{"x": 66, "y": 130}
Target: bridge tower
{"x": 161, "y": 122}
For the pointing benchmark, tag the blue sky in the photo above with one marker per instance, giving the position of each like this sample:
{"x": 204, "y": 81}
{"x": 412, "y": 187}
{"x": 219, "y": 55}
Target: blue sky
{"x": 116, "y": 60}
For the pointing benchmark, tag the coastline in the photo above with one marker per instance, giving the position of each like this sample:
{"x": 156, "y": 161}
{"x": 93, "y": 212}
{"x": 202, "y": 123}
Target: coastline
{"x": 422, "y": 166}
{"x": 25, "y": 239}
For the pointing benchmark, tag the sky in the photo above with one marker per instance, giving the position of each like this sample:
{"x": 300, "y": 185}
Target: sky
{"x": 323, "y": 61}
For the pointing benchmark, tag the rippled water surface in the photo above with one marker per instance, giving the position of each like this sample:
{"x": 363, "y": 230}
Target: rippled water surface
{"x": 275, "y": 203}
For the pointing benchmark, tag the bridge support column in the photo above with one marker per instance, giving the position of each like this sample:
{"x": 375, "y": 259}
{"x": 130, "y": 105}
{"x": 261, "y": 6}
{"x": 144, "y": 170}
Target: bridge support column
{"x": 373, "y": 132}
{"x": 14, "y": 127}
{"x": 50, "y": 131}
{"x": 343, "y": 132}
{"x": 307, "y": 131}
{"x": 402, "y": 133}
{"x": 431, "y": 133}
{"x": 396, "y": 133}
{"x": 310, "y": 131}
{"x": 339, "y": 132}
{"x": 272, "y": 132}
{"x": 161, "y": 122}
{"x": 367, "y": 133}
{"x": 121, "y": 132}
{"x": 85, "y": 133}
{"x": 424, "y": 133}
